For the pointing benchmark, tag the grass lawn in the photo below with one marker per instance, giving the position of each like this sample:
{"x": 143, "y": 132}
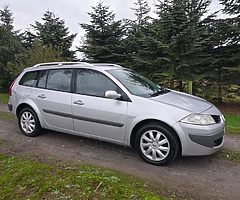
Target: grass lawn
{"x": 4, "y": 98}
{"x": 6, "y": 116}
{"x": 234, "y": 156}
{"x": 233, "y": 123}
{"x": 23, "y": 178}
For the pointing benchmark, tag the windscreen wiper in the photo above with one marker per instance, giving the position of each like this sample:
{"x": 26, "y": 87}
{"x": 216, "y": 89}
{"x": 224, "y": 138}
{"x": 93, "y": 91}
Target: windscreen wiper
{"x": 160, "y": 92}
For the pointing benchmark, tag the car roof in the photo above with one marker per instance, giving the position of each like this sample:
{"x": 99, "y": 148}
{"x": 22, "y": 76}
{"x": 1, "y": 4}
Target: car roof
{"x": 57, "y": 65}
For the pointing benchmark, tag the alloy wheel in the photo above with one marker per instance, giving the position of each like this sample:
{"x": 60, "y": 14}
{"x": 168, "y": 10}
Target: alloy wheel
{"x": 154, "y": 145}
{"x": 27, "y": 122}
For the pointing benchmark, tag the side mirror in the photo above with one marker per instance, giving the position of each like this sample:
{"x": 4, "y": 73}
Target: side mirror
{"x": 112, "y": 94}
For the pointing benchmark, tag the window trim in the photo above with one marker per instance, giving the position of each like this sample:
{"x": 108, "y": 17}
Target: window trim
{"x": 39, "y": 79}
{"x": 124, "y": 95}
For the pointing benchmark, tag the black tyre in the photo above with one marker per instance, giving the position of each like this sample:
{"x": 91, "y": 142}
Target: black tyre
{"x": 29, "y": 123}
{"x": 156, "y": 144}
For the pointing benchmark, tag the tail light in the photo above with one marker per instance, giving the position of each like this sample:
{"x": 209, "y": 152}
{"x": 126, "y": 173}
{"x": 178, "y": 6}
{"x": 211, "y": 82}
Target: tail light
{"x": 10, "y": 88}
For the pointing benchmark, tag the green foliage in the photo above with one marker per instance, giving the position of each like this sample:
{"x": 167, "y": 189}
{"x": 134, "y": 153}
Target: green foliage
{"x": 6, "y": 116}
{"x": 24, "y": 178}
{"x": 10, "y": 46}
{"x": 28, "y": 39}
{"x": 52, "y": 32}
{"x": 183, "y": 31}
{"x": 233, "y": 156}
{"x": 231, "y": 6}
{"x": 225, "y": 56}
{"x": 38, "y": 53}
{"x": 142, "y": 10}
{"x": 4, "y": 98}
{"x": 104, "y": 36}
{"x": 6, "y": 18}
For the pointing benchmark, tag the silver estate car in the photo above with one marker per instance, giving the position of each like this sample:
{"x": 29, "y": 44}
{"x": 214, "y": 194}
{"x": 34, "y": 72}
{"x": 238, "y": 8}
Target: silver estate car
{"x": 115, "y": 104}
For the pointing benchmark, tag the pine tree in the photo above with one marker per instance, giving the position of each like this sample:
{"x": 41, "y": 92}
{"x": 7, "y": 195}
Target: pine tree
{"x": 142, "y": 10}
{"x": 140, "y": 37}
{"x": 225, "y": 62}
{"x": 28, "y": 39}
{"x": 104, "y": 36}
{"x": 6, "y": 18}
{"x": 231, "y": 7}
{"x": 53, "y": 32}
{"x": 183, "y": 30}
{"x": 10, "y": 46}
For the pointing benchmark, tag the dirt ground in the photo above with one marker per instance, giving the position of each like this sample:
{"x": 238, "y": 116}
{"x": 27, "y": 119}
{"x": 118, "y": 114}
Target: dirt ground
{"x": 205, "y": 177}
{"x": 230, "y": 108}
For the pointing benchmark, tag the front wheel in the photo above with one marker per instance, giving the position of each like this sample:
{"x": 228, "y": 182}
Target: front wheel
{"x": 156, "y": 144}
{"x": 28, "y": 123}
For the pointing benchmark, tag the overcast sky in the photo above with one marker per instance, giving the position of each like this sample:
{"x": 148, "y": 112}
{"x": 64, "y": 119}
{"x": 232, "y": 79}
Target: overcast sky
{"x": 26, "y": 12}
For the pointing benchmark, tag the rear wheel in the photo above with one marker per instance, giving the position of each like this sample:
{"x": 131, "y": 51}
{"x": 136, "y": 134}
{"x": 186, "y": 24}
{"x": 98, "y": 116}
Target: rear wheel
{"x": 156, "y": 144}
{"x": 28, "y": 122}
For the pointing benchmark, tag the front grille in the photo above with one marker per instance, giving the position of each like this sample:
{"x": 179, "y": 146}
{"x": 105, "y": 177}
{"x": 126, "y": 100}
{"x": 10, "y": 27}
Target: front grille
{"x": 216, "y": 118}
{"x": 218, "y": 141}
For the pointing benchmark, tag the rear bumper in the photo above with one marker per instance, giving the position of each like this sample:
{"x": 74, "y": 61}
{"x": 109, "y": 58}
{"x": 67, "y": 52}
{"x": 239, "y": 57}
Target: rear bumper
{"x": 10, "y": 107}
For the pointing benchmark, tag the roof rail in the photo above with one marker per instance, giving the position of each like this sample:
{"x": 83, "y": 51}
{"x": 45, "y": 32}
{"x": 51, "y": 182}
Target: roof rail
{"x": 61, "y": 64}
{"x": 106, "y": 64}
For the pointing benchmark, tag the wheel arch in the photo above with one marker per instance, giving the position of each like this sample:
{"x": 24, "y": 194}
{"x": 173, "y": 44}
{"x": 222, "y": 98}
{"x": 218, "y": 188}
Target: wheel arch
{"x": 146, "y": 121}
{"x": 31, "y": 105}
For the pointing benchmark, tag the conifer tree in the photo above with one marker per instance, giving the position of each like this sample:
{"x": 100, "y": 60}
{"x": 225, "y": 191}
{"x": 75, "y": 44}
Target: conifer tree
{"x": 10, "y": 46}
{"x": 53, "y": 32}
{"x": 103, "y": 40}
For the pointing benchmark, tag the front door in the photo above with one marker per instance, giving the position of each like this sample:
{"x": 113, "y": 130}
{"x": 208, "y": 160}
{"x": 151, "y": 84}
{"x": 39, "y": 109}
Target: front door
{"x": 93, "y": 114}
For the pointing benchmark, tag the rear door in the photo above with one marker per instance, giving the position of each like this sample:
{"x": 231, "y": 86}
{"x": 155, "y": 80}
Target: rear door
{"x": 93, "y": 114}
{"x": 53, "y": 98}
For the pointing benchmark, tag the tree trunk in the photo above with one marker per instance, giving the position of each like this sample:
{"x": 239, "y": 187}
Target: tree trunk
{"x": 219, "y": 85}
{"x": 172, "y": 83}
{"x": 180, "y": 86}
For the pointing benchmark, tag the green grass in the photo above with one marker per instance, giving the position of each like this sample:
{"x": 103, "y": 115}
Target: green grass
{"x": 23, "y": 178}
{"x": 6, "y": 116}
{"x": 4, "y": 98}
{"x": 233, "y": 123}
{"x": 231, "y": 155}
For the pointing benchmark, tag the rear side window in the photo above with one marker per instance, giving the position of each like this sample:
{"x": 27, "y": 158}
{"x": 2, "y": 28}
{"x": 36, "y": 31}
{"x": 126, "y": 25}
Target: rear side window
{"x": 59, "y": 79}
{"x": 29, "y": 79}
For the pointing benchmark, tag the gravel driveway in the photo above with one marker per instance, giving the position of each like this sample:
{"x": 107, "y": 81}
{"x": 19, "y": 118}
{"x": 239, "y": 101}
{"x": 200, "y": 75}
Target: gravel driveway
{"x": 205, "y": 177}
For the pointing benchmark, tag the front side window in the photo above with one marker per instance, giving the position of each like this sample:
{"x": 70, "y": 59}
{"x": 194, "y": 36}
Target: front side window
{"x": 59, "y": 79}
{"x": 137, "y": 84}
{"x": 93, "y": 83}
{"x": 29, "y": 79}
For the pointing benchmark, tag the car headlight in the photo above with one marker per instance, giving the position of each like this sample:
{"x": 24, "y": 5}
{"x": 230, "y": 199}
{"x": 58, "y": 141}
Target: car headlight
{"x": 198, "y": 119}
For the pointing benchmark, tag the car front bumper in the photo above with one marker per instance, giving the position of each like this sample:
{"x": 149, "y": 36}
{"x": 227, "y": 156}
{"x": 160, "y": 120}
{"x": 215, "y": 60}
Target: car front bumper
{"x": 197, "y": 140}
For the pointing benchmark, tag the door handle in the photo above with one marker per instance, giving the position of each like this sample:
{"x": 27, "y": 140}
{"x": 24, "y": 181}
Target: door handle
{"x": 78, "y": 102}
{"x": 42, "y": 96}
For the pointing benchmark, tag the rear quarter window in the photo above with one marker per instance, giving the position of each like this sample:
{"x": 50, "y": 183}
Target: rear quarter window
{"x": 29, "y": 79}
